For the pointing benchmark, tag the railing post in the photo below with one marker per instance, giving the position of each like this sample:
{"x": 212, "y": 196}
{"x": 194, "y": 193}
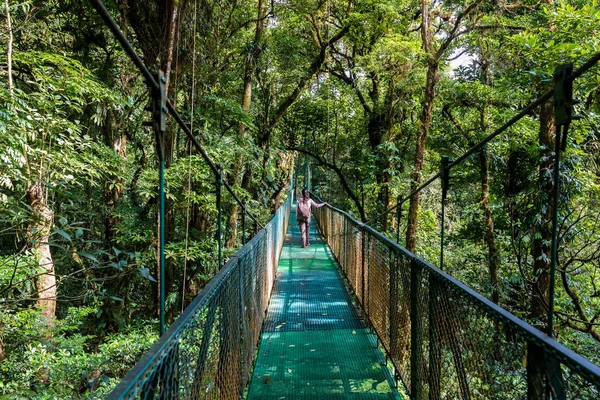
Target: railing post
{"x": 219, "y": 216}
{"x": 243, "y": 224}
{"x": 563, "y": 109}
{"x": 416, "y": 332}
{"x": 398, "y": 218}
{"x": 159, "y": 125}
{"x": 445, "y": 179}
{"x": 543, "y": 371}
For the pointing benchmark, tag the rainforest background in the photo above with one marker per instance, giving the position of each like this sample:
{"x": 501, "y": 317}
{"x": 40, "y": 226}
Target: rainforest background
{"x": 366, "y": 94}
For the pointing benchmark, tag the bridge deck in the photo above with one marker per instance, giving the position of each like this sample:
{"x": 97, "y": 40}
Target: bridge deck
{"x": 314, "y": 344}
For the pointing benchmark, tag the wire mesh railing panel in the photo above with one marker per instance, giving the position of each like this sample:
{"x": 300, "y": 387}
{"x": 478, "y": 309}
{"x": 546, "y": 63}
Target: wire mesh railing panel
{"x": 445, "y": 340}
{"x": 208, "y": 352}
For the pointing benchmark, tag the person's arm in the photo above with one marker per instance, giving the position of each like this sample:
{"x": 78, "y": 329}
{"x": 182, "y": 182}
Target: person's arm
{"x": 317, "y": 204}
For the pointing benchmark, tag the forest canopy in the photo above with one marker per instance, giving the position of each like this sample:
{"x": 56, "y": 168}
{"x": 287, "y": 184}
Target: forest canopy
{"x": 367, "y": 95}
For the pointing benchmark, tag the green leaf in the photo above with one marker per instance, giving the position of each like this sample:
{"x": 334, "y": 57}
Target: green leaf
{"x": 145, "y": 272}
{"x": 88, "y": 256}
{"x": 63, "y": 234}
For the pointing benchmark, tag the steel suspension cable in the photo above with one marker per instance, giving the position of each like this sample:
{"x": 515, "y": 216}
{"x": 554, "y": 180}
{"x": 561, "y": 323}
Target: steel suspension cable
{"x": 532, "y": 106}
{"x": 152, "y": 84}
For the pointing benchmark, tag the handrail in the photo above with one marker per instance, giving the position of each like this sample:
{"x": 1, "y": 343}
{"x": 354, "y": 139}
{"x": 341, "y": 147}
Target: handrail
{"x": 235, "y": 300}
{"x": 137, "y": 372}
{"x": 348, "y": 236}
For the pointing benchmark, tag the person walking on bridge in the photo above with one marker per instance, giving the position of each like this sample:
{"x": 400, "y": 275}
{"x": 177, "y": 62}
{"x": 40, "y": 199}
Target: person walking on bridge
{"x": 303, "y": 214}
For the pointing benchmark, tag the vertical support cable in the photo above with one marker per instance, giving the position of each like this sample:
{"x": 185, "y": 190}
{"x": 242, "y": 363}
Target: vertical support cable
{"x": 398, "y": 218}
{"x": 219, "y": 216}
{"x": 445, "y": 179}
{"x": 159, "y": 124}
{"x": 161, "y": 179}
{"x": 308, "y": 176}
{"x": 244, "y": 224}
{"x": 563, "y": 114}
{"x": 554, "y": 250}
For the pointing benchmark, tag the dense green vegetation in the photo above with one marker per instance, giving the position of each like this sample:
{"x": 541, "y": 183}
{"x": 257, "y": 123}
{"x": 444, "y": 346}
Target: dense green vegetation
{"x": 371, "y": 93}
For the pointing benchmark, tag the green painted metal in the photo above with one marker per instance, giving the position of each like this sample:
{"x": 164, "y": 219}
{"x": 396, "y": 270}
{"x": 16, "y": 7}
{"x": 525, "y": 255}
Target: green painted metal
{"x": 398, "y": 218}
{"x": 445, "y": 179}
{"x": 563, "y": 111}
{"x": 220, "y": 216}
{"x": 208, "y": 352}
{"x": 314, "y": 343}
{"x": 445, "y": 340}
{"x": 161, "y": 179}
{"x": 159, "y": 124}
{"x": 243, "y": 225}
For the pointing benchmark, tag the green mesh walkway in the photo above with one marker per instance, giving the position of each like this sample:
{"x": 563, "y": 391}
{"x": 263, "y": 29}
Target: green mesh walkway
{"x": 314, "y": 345}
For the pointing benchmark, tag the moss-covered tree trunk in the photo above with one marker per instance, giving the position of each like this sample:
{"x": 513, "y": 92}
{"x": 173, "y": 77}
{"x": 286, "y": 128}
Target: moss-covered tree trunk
{"x": 488, "y": 220}
{"x": 425, "y": 123}
{"x": 39, "y": 235}
{"x": 542, "y": 229}
{"x": 249, "y": 68}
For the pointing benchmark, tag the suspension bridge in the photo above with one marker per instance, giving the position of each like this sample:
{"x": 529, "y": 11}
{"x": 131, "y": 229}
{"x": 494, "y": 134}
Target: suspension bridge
{"x": 354, "y": 315}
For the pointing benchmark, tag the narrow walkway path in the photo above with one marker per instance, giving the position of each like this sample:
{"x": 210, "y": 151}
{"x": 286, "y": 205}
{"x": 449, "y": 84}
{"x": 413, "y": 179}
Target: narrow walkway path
{"x": 314, "y": 345}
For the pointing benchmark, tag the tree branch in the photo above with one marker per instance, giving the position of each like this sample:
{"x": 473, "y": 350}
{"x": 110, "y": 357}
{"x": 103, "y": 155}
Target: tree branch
{"x": 440, "y": 52}
{"x": 352, "y": 83}
{"x": 314, "y": 68}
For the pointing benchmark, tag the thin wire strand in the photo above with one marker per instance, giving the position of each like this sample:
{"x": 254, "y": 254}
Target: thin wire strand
{"x": 189, "y": 189}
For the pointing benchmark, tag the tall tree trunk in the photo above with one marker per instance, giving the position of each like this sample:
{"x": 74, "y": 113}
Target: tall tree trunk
{"x": 249, "y": 68}
{"x": 166, "y": 63}
{"x": 39, "y": 235}
{"x": 489, "y": 226}
{"x": 543, "y": 233}
{"x": 425, "y": 123}
{"x": 377, "y": 128}
{"x": 485, "y": 198}
{"x": 113, "y": 192}
{"x": 171, "y": 45}
{"x": 426, "y": 117}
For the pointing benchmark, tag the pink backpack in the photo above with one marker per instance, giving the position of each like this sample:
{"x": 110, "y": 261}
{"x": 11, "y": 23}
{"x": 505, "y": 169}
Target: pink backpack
{"x": 303, "y": 210}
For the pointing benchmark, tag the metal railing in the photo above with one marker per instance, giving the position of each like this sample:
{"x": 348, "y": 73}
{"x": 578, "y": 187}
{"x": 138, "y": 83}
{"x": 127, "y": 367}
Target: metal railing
{"x": 208, "y": 352}
{"x": 444, "y": 339}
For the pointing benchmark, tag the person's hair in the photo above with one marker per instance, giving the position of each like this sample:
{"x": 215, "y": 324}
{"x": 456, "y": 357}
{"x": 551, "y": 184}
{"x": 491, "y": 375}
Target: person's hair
{"x": 304, "y": 192}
